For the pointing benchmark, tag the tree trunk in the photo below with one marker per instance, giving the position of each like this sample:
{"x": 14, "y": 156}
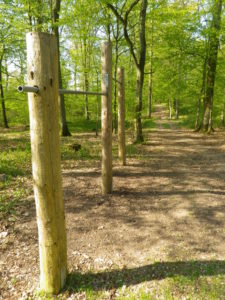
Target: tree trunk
{"x": 97, "y": 106}
{"x": 170, "y": 109}
{"x": 138, "y": 107}
{"x": 201, "y": 96}
{"x": 5, "y": 121}
{"x": 198, "y": 114}
{"x": 140, "y": 73}
{"x": 64, "y": 128}
{"x": 177, "y": 108}
{"x": 150, "y": 76}
{"x": 86, "y": 84}
{"x": 121, "y": 117}
{"x": 212, "y": 63}
{"x": 150, "y": 92}
{"x": 115, "y": 91}
{"x": 139, "y": 60}
{"x": 115, "y": 77}
{"x": 223, "y": 114}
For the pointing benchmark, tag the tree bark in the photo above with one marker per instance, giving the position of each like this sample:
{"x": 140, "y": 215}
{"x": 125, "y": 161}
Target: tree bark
{"x": 150, "y": 76}
{"x": 212, "y": 63}
{"x": 64, "y": 128}
{"x": 139, "y": 60}
{"x": 140, "y": 73}
{"x": 177, "y": 109}
{"x": 86, "y": 84}
{"x": 198, "y": 114}
{"x": 170, "y": 109}
{"x": 97, "y": 106}
{"x": 116, "y": 37}
{"x": 5, "y": 121}
{"x": 138, "y": 107}
{"x": 150, "y": 92}
{"x": 121, "y": 117}
{"x": 115, "y": 89}
{"x": 223, "y": 114}
{"x": 201, "y": 96}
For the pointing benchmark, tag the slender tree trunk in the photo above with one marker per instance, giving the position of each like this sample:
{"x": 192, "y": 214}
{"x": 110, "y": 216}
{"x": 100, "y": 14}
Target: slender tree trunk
{"x": 212, "y": 63}
{"x": 116, "y": 36}
{"x": 177, "y": 108}
{"x": 30, "y": 16}
{"x": 150, "y": 77}
{"x": 139, "y": 60}
{"x": 138, "y": 107}
{"x": 223, "y": 114}
{"x": 201, "y": 96}
{"x": 64, "y": 128}
{"x": 170, "y": 109}
{"x": 39, "y": 9}
{"x": 178, "y": 89}
{"x": 198, "y": 114}
{"x": 97, "y": 106}
{"x": 150, "y": 93}
{"x": 140, "y": 73}
{"x": 86, "y": 82}
{"x": 86, "y": 85}
{"x": 121, "y": 118}
{"x": 115, "y": 89}
{"x": 5, "y": 121}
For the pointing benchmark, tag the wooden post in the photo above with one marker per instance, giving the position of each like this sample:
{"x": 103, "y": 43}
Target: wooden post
{"x": 107, "y": 118}
{"x": 121, "y": 117}
{"x": 45, "y": 146}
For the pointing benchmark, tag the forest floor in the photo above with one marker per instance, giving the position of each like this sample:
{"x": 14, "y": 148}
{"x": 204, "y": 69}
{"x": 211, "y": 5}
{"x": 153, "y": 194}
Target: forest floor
{"x": 160, "y": 235}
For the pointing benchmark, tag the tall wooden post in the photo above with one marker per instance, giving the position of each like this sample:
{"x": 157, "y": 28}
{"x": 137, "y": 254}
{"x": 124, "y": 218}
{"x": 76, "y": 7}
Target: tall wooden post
{"x": 121, "y": 117}
{"x": 45, "y": 146}
{"x": 107, "y": 118}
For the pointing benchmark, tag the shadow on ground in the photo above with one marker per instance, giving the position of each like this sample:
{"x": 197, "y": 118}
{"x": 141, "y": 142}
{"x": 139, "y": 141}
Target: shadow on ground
{"x": 160, "y": 270}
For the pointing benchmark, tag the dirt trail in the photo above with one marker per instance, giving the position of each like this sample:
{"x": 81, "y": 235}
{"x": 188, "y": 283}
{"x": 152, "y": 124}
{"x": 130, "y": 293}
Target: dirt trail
{"x": 167, "y": 206}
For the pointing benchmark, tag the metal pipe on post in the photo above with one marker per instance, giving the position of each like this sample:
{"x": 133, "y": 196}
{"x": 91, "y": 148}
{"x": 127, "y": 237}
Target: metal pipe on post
{"x": 35, "y": 89}
{"x": 28, "y": 89}
{"x": 106, "y": 118}
{"x": 121, "y": 117}
{"x": 45, "y": 146}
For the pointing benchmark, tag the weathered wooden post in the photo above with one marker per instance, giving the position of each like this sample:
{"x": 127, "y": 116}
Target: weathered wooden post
{"x": 45, "y": 146}
{"x": 106, "y": 118}
{"x": 121, "y": 117}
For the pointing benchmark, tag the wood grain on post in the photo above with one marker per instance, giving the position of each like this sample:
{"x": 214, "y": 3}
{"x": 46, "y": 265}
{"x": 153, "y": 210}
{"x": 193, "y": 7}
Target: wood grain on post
{"x": 106, "y": 117}
{"x": 45, "y": 146}
{"x": 121, "y": 117}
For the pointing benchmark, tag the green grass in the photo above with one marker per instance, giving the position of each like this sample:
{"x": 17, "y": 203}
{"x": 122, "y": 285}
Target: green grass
{"x": 166, "y": 126}
{"x": 181, "y": 280}
{"x": 148, "y": 124}
{"x": 79, "y": 124}
{"x": 11, "y": 199}
{"x": 15, "y": 154}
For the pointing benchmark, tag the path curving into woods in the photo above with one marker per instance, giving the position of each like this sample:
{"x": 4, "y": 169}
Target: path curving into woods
{"x": 168, "y": 206}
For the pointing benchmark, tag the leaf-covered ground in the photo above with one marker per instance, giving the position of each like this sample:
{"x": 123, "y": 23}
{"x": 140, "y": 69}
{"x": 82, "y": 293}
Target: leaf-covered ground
{"x": 160, "y": 235}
